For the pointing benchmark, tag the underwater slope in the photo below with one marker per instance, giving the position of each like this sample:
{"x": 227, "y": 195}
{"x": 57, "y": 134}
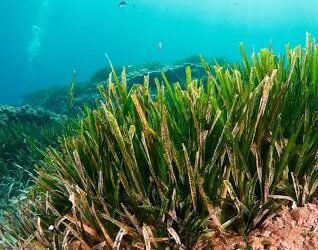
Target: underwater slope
{"x": 55, "y": 99}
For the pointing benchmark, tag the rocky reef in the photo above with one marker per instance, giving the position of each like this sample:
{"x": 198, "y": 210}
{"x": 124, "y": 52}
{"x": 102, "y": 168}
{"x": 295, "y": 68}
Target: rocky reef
{"x": 55, "y": 99}
{"x": 26, "y": 113}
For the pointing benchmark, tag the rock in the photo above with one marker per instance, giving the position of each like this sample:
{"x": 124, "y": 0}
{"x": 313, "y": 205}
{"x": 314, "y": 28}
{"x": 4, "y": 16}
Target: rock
{"x": 221, "y": 247}
{"x": 55, "y": 99}
{"x": 12, "y": 114}
{"x": 287, "y": 229}
{"x": 300, "y": 215}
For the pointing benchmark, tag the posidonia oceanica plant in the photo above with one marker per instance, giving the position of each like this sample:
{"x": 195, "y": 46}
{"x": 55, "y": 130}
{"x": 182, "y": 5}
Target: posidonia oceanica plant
{"x": 170, "y": 168}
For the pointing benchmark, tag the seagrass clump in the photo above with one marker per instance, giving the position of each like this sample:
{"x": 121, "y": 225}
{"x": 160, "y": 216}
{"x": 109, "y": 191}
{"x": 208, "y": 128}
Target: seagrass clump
{"x": 175, "y": 168}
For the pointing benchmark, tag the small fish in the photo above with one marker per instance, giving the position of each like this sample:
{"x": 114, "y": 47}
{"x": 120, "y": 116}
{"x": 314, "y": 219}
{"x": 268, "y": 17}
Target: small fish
{"x": 159, "y": 46}
{"x": 122, "y": 3}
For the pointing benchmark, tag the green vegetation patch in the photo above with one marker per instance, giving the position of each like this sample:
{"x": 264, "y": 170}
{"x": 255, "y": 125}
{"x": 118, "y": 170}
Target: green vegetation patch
{"x": 175, "y": 168}
{"x": 23, "y": 130}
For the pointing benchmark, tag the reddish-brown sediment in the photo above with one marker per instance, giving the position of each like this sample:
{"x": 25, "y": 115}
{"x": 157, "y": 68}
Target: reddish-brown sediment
{"x": 289, "y": 229}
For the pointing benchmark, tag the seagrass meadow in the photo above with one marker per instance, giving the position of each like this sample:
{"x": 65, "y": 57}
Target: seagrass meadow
{"x": 175, "y": 166}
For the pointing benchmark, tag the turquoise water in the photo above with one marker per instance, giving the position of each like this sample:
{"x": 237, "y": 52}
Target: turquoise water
{"x": 43, "y": 41}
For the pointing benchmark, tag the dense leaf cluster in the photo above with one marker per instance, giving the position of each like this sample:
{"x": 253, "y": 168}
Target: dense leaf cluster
{"x": 171, "y": 170}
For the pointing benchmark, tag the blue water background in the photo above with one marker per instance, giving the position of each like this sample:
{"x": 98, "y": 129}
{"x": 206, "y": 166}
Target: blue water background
{"x": 43, "y": 41}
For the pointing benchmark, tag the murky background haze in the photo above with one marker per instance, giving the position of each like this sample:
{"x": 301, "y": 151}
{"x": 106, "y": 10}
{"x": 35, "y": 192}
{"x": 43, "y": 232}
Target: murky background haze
{"x": 43, "y": 41}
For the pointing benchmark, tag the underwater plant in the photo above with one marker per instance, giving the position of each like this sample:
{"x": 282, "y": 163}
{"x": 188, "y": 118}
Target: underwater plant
{"x": 22, "y": 131}
{"x": 172, "y": 170}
